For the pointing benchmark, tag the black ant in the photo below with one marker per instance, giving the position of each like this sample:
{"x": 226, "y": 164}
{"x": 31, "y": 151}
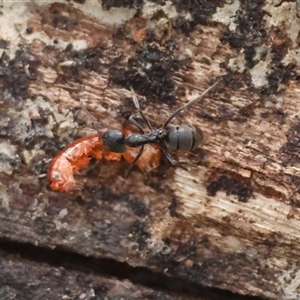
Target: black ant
{"x": 181, "y": 137}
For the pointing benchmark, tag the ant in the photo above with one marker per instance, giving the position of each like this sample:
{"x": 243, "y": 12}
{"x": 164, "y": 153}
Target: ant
{"x": 111, "y": 145}
{"x": 180, "y": 137}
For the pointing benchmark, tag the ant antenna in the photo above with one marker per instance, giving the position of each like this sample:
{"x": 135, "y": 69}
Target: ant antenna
{"x": 137, "y": 105}
{"x": 95, "y": 121}
{"x": 177, "y": 111}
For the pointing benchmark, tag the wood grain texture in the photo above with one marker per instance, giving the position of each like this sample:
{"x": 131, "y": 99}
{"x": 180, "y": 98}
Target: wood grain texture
{"x": 29, "y": 277}
{"x": 232, "y": 219}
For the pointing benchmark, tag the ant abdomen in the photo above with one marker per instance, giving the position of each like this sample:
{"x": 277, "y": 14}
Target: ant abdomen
{"x": 183, "y": 137}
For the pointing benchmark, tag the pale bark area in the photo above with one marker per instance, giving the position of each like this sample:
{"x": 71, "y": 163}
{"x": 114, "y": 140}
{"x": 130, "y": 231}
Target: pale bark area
{"x": 231, "y": 220}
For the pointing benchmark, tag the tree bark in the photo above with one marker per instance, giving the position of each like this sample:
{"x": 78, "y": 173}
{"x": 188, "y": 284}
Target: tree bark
{"x": 230, "y": 219}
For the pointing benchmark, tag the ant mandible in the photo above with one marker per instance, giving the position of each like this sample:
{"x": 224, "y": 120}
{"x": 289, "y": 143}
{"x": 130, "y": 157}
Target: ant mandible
{"x": 181, "y": 137}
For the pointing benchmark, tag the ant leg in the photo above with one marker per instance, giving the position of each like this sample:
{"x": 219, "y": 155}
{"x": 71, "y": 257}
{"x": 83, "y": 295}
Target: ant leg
{"x": 172, "y": 160}
{"x": 136, "y": 123}
{"x": 137, "y": 105}
{"x": 134, "y": 161}
{"x": 169, "y": 157}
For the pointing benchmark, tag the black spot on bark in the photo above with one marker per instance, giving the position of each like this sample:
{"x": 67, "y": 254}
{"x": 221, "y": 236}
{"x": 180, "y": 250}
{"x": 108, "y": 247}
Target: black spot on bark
{"x": 232, "y": 184}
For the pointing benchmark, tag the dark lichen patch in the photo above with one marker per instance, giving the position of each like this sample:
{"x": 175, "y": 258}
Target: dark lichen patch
{"x": 225, "y": 112}
{"x": 156, "y": 178}
{"x": 146, "y": 67}
{"x": 280, "y": 39}
{"x": 200, "y": 12}
{"x": 233, "y": 80}
{"x": 105, "y": 194}
{"x": 14, "y": 162}
{"x": 149, "y": 72}
{"x": 277, "y": 115}
{"x": 38, "y": 125}
{"x": 4, "y": 44}
{"x": 231, "y": 183}
{"x": 187, "y": 250}
{"x": 138, "y": 233}
{"x": 61, "y": 16}
{"x": 126, "y": 110}
{"x": 102, "y": 231}
{"x": 101, "y": 290}
{"x": 248, "y": 110}
{"x": 43, "y": 226}
{"x": 290, "y": 151}
{"x": 156, "y": 185}
{"x": 89, "y": 59}
{"x": 250, "y": 31}
{"x": 107, "y": 4}
{"x": 138, "y": 207}
{"x": 51, "y": 147}
{"x": 79, "y": 200}
{"x": 16, "y": 74}
{"x": 38, "y": 165}
{"x": 12, "y": 128}
{"x": 280, "y": 74}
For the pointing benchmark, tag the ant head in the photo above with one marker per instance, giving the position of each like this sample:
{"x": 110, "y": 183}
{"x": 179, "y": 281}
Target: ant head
{"x": 114, "y": 141}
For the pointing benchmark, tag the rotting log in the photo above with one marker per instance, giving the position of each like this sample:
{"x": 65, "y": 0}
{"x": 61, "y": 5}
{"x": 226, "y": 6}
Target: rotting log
{"x": 28, "y": 278}
{"x": 232, "y": 219}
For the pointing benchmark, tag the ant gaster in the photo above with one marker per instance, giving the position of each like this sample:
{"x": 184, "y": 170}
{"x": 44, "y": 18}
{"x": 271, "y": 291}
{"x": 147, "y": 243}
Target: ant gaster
{"x": 181, "y": 137}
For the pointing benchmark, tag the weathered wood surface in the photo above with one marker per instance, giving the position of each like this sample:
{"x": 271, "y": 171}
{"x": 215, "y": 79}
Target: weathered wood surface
{"x": 232, "y": 220}
{"x": 63, "y": 277}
